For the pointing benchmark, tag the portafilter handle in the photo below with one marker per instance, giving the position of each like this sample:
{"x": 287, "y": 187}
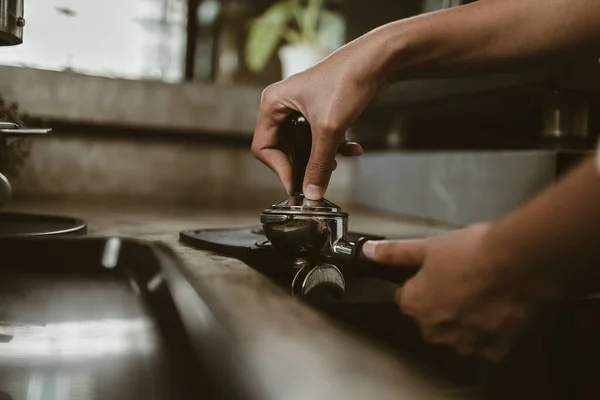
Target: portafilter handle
{"x": 350, "y": 256}
{"x": 298, "y": 137}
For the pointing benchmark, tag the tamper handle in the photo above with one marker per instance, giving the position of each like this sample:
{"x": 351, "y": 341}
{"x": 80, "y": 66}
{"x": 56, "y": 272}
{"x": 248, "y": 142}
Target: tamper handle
{"x": 297, "y": 133}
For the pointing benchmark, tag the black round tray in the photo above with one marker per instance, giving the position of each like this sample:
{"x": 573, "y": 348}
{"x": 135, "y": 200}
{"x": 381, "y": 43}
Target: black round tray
{"x": 25, "y": 225}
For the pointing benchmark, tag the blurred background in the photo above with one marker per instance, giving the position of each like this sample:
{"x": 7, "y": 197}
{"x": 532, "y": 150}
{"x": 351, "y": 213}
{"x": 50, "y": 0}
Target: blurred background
{"x": 152, "y": 105}
{"x": 159, "y": 98}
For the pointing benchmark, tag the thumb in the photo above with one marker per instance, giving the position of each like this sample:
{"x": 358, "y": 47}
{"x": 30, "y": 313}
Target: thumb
{"x": 396, "y": 252}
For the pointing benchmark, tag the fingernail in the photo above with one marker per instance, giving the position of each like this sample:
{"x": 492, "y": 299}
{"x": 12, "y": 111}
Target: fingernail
{"x": 368, "y": 249}
{"x": 313, "y": 192}
{"x": 357, "y": 151}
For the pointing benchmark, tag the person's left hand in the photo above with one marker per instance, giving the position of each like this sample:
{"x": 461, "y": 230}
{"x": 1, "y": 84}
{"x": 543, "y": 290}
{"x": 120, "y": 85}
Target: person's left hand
{"x": 462, "y": 296}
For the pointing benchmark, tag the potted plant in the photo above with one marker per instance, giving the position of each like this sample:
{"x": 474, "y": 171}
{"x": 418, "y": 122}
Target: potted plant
{"x": 309, "y": 33}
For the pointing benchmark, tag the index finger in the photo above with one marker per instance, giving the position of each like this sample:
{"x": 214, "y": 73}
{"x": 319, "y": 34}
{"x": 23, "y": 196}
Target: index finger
{"x": 400, "y": 253}
{"x": 266, "y": 145}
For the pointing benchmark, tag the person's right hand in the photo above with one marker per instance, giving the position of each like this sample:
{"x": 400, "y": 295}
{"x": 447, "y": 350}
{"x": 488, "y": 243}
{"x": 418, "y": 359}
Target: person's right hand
{"x": 330, "y": 95}
{"x": 469, "y": 293}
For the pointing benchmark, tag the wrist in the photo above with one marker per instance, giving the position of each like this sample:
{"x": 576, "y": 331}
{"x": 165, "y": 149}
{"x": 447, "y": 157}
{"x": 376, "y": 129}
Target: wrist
{"x": 528, "y": 279}
{"x": 392, "y": 42}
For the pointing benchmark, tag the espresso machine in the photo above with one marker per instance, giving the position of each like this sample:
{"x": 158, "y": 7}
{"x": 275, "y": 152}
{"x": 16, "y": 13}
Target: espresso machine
{"x": 12, "y": 127}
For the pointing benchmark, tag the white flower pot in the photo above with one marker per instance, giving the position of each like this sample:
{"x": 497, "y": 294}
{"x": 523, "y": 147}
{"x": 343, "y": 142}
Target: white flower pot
{"x": 299, "y": 57}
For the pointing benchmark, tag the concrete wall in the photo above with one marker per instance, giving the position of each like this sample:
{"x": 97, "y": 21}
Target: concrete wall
{"x": 77, "y": 98}
{"x": 453, "y": 187}
{"x": 178, "y": 171}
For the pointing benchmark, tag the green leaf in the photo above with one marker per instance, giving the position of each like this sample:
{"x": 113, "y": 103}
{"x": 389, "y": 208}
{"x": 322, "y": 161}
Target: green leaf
{"x": 266, "y": 33}
{"x": 291, "y": 36}
{"x": 316, "y": 26}
{"x": 332, "y": 30}
{"x": 311, "y": 19}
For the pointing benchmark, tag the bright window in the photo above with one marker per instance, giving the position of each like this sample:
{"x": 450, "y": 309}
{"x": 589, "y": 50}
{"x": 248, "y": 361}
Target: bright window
{"x": 136, "y": 39}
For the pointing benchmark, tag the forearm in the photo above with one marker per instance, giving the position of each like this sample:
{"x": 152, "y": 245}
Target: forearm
{"x": 485, "y": 34}
{"x": 556, "y": 236}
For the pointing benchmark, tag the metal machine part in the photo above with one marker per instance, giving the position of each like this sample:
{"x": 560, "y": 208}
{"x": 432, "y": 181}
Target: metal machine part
{"x": 17, "y": 225}
{"x": 566, "y": 120}
{"x": 12, "y": 21}
{"x": 324, "y": 276}
{"x": 315, "y": 231}
{"x": 251, "y": 246}
{"x": 103, "y": 318}
{"x": 22, "y": 225}
{"x": 5, "y": 190}
{"x": 12, "y": 128}
{"x": 26, "y": 225}
{"x": 305, "y": 227}
{"x": 304, "y": 245}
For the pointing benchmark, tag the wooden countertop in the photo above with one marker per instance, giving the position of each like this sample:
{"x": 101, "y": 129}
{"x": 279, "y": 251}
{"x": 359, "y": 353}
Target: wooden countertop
{"x": 295, "y": 352}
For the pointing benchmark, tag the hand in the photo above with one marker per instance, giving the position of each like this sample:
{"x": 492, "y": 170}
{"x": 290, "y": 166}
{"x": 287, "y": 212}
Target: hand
{"x": 330, "y": 95}
{"x": 461, "y": 296}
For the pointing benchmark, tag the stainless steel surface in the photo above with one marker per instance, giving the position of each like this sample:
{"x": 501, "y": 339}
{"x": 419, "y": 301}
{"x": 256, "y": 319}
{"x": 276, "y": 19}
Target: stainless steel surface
{"x": 5, "y": 190}
{"x": 8, "y": 125}
{"x": 299, "y": 205}
{"x": 305, "y": 232}
{"x": 14, "y": 225}
{"x": 12, "y": 21}
{"x": 26, "y": 131}
{"x": 324, "y": 277}
{"x": 566, "y": 115}
{"x": 299, "y": 224}
{"x": 309, "y": 231}
{"x": 73, "y": 326}
{"x": 76, "y": 337}
{"x": 12, "y": 128}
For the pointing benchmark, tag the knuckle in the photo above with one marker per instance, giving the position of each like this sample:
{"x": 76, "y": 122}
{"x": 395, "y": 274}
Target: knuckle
{"x": 269, "y": 96}
{"x": 255, "y": 149}
{"x": 319, "y": 166}
{"x": 328, "y": 125}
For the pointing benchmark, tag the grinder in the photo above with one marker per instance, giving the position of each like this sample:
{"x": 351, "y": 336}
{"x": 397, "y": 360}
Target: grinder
{"x": 315, "y": 233}
{"x": 303, "y": 245}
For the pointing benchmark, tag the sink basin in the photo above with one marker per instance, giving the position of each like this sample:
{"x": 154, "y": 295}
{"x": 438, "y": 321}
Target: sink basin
{"x": 92, "y": 319}
{"x": 23, "y": 225}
